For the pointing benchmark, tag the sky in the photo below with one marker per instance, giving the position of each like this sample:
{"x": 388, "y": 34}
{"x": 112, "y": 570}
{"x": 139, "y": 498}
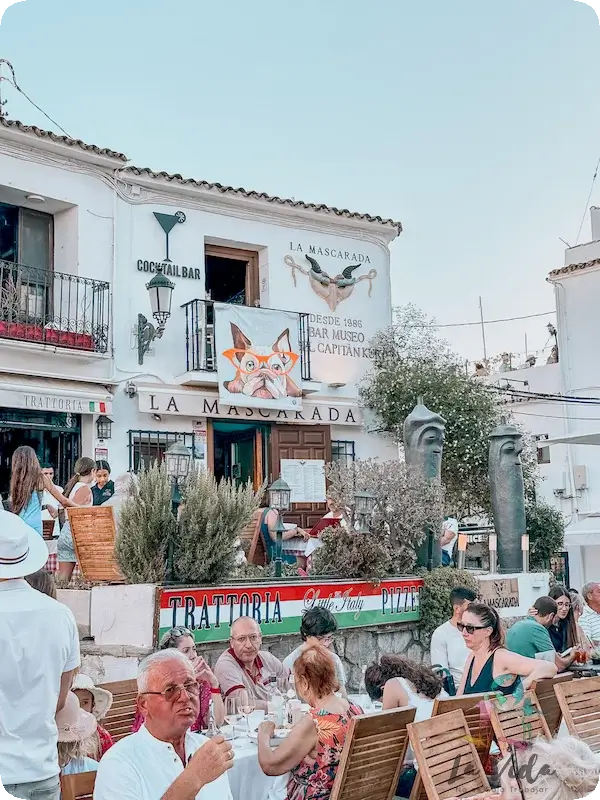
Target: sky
{"x": 476, "y": 124}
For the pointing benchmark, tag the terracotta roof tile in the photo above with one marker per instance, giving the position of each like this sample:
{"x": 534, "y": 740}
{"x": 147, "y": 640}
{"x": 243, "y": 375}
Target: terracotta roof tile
{"x": 574, "y": 268}
{"x": 54, "y": 137}
{"x": 283, "y": 201}
{"x": 215, "y": 187}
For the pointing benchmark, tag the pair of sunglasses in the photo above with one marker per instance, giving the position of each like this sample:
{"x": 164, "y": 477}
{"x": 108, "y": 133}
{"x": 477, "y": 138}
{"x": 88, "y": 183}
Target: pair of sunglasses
{"x": 470, "y": 629}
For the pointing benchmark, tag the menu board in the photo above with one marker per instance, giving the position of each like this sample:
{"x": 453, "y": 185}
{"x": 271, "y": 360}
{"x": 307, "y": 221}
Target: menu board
{"x": 306, "y": 479}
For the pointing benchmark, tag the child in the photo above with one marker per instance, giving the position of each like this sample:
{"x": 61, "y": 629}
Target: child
{"x": 95, "y": 701}
{"x": 76, "y": 738}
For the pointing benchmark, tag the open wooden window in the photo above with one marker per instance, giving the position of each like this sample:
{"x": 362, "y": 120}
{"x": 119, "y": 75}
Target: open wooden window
{"x": 231, "y": 275}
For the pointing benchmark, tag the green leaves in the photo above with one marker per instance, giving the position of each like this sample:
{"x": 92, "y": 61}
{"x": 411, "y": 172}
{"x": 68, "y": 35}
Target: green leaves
{"x": 412, "y": 360}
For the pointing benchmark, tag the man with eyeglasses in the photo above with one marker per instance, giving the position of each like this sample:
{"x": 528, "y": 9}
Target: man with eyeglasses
{"x": 319, "y": 626}
{"x": 245, "y": 667}
{"x": 163, "y": 760}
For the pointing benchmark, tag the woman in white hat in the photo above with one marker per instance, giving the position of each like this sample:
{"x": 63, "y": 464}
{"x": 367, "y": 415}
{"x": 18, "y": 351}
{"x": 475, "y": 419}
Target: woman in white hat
{"x": 76, "y": 738}
{"x": 95, "y": 701}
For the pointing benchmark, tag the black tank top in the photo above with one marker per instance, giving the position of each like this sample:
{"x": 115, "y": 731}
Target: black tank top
{"x": 485, "y": 680}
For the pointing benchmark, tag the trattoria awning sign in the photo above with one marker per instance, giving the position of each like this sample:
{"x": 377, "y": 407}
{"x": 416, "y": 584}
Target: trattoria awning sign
{"x": 278, "y": 607}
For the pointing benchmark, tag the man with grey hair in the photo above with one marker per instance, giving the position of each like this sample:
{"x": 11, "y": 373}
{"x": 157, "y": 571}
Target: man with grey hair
{"x": 247, "y": 668}
{"x": 163, "y": 760}
{"x": 590, "y": 619}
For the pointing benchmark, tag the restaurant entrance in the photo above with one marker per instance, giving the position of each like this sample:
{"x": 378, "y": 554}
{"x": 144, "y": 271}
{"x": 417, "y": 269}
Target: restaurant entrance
{"x": 56, "y": 438}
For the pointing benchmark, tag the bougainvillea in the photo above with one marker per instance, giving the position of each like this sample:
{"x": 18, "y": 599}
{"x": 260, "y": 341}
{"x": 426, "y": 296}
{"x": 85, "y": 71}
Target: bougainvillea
{"x": 410, "y": 361}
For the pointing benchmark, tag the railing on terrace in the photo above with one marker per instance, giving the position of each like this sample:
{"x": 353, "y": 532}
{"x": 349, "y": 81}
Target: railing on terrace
{"x": 40, "y": 305}
{"x": 200, "y": 345}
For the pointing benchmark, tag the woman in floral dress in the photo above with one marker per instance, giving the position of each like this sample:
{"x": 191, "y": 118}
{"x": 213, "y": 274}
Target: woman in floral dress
{"x": 312, "y": 751}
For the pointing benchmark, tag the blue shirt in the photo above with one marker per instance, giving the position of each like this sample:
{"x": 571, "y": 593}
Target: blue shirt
{"x": 77, "y": 765}
{"x": 32, "y": 513}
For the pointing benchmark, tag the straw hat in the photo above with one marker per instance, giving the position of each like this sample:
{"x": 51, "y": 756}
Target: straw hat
{"x": 102, "y": 698}
{"x": 22, "y": 550}
{"x": 73, "y": 723}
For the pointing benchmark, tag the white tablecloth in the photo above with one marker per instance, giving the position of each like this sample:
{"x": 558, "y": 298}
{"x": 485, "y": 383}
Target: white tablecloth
{"x": 246, "y": 778}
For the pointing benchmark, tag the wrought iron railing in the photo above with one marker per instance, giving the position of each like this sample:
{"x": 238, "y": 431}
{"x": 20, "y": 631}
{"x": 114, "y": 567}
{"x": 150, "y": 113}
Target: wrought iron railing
{"x": 200, "y": 345}
{"x": 40, "y": 305}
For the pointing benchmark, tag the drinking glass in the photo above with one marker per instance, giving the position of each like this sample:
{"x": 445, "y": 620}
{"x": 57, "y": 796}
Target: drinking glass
{"x": 233, "y": 713}
{"x": 247, "y": 706}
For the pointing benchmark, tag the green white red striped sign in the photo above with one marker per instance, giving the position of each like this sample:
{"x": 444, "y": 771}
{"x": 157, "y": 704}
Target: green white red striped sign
{"x": 278, "y": 607}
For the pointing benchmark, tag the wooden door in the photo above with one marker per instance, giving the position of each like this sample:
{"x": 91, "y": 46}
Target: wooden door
{"x": 302, "y": 442}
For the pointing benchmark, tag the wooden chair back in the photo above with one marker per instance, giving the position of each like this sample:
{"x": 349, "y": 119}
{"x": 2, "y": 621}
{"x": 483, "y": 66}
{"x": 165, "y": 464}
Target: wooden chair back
{"x": 544, "y": 691}
{"x": 122, "y": 713}
{"x": 518, "y": 721}
{"x": 77, "y": 787}
{"x": 94, "y": 534}
{"x": 373, "y": 755}
{"x": 449, "y": 764}
{"x": 252, "y": 540}
{"x": 579, "y": 702}
{"x": 478, "y": 723}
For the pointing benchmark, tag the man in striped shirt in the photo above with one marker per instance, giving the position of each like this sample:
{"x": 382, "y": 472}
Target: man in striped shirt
{"x": 590, "y": 619}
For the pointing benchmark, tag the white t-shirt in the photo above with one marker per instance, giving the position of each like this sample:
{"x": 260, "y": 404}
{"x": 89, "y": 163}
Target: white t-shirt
{"x": 590, "y": 624}
{"x": 38, "y": 643}
{"x": 448, "y": 649}
{"x": 140, "y": 767}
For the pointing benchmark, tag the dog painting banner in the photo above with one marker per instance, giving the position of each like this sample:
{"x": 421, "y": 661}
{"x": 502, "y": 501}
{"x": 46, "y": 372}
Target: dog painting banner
{"x": 208, "y": 612}
{"x": 258, "y": 357}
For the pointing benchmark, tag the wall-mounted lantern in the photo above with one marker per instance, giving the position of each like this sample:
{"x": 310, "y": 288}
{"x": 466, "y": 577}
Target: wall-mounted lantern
{"x": 104, "y": 427}
{"x": 160, "y": 289}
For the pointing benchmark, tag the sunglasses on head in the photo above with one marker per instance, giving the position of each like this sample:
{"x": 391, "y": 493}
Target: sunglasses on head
{"x": 470, "y": 629}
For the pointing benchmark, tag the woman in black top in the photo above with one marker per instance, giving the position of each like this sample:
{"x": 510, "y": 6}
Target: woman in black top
{"x": 490, "y": 667}
{"x": 104, "y": 488}
{"x": 563, "y": 630}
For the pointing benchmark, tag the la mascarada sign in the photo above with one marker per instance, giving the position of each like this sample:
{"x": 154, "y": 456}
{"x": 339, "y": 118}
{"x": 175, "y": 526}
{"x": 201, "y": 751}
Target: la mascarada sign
{"x": 191, "y": 404}
{"x": 278, "y": 608}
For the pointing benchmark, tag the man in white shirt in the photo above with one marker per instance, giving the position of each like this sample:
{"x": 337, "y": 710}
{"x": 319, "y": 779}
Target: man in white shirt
{"x": 590, "y": 619}
{"x": 448, "y": 648}
{"x": 163, "y": 760}
{"x": 39, "y": 651}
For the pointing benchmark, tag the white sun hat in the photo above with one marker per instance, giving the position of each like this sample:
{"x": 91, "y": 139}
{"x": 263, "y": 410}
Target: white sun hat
{"x": 73, "y": 723}
{"x": 22, "y": 550}
{"x": 102, "y": 697}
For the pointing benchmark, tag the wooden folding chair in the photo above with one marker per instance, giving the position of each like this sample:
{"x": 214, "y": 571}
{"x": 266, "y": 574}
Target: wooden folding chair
{"x": 252, "y": 540}
{"x": 449, "y": 764}
{"x": 373, "y": 756}
{"x": 517, "y": 721}
{"x": 94, "y": 534}
{"x": 579, "y": 702}
{"x": 478, "y": 722}
{"x": 77, "y": 787}
{"x": 120, "y": 717}
{"x": 544, "y": 691}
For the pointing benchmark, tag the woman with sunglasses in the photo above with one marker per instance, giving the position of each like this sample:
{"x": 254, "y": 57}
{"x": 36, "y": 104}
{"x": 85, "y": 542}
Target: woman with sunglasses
{"x": 182, "y": 639}
{"x": 491, "y": 667}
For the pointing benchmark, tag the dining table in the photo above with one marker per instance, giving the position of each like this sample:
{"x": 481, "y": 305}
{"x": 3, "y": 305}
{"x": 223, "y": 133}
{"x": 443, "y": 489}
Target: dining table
{"x": 246, "y": 778}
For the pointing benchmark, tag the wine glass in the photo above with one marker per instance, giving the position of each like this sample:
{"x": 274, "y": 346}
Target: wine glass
{"x": 233, "y": 713}
{"x": 247, "y": 706}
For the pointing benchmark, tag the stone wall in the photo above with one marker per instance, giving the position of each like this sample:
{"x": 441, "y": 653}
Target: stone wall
{"x": 356, "y": 647}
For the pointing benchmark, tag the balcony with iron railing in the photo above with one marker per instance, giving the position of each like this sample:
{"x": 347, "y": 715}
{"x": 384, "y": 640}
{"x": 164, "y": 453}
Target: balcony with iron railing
{"x": 200, "y": 344}
{"x": 52, "y": 308}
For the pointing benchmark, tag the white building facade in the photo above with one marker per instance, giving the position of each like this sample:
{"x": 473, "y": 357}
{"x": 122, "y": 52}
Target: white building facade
{"x": 82, "y": 234}
{"x": 568, "y": 430}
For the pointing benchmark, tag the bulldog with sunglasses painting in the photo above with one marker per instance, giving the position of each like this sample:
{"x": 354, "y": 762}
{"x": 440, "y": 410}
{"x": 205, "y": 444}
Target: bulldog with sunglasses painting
{"x": 490, "y": 667}
{"x": 262, "y": 371}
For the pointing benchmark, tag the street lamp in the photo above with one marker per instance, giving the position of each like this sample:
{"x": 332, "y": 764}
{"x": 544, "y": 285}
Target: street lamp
{"x": 178, "y": 460}
{"x": 364, "y": 503}
{"x": 160, "y": 290}
{"x": 280, "y": 495}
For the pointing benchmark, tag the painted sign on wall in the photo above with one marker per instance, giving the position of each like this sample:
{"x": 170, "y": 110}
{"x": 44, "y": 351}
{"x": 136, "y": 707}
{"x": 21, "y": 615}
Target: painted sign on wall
{"x": 209, "y": 612}
{"x": 258, "y": 357}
